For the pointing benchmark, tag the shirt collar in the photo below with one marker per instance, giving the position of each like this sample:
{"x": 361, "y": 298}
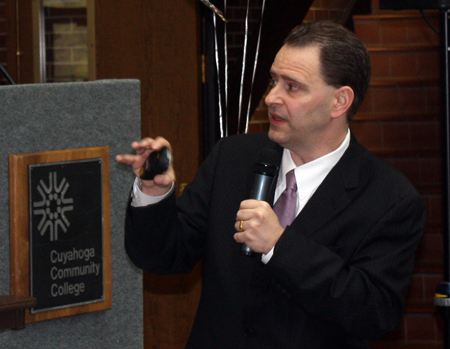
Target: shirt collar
{"x": 314, "y": 172}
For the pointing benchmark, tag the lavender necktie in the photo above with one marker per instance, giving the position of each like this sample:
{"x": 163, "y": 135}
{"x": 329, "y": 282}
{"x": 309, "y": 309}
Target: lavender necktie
{"x": 287, "y": 202}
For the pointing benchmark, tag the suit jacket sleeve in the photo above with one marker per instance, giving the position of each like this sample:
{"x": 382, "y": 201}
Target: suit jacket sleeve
{"x": 167, "y": 238}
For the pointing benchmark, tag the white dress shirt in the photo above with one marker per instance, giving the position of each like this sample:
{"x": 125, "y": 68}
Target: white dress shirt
{"x": 308, "y": 176}
{"x": 139, "y": 199}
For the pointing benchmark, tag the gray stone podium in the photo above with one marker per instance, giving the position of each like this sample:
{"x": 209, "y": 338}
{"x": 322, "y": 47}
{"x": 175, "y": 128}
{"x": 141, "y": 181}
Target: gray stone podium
{"x": 47, "y": 117}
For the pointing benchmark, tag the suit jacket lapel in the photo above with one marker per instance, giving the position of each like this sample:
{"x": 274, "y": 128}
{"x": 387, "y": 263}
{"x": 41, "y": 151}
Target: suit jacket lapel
{"x": 334, "y": 194}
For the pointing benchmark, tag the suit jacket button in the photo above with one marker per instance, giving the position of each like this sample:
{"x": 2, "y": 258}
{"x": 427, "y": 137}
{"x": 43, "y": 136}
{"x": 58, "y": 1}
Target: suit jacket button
{"x": 250, "y": 332}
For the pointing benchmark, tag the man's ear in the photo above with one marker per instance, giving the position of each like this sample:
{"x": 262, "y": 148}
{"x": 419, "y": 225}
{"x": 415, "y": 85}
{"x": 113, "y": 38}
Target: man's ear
{"x": 343, "y": 100}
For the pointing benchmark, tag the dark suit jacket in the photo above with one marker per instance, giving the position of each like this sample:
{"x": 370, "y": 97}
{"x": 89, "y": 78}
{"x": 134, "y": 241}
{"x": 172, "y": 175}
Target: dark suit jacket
{"x": 338, "y": 275}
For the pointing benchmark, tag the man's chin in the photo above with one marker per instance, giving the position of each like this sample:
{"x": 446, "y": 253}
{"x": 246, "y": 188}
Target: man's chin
{"x": 275, "y": 136}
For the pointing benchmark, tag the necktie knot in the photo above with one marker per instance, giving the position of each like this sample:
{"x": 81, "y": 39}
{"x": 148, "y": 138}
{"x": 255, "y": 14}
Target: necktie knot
{"x": 291, "y": 182}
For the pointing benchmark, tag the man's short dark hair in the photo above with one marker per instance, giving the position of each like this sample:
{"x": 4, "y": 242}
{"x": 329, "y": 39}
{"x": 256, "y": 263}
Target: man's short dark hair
{"x": 344, "y": 61}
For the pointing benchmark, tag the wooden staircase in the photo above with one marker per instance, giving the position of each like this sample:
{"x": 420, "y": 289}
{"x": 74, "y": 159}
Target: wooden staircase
{"x": 400, "y": 121}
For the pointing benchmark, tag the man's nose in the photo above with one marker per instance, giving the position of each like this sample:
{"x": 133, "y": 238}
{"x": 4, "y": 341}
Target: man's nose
{"x": 273, "y": 97}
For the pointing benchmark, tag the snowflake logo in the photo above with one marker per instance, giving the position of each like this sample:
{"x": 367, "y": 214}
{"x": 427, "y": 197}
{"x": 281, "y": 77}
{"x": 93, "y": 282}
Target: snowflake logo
{"x": 53, "y": 206}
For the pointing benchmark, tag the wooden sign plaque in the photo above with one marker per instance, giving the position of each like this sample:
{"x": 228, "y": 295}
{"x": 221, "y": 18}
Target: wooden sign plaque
{"x": 60, "y": 231}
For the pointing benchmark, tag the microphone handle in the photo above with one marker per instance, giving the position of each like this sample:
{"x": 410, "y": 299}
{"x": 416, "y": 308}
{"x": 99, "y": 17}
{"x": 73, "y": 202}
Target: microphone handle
{"x": 246, "y": 251}
{"x": 260, "y": 191}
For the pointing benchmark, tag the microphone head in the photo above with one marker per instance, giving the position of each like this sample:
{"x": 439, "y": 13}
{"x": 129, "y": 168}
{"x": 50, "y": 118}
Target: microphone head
{"x": 267, "y": 162}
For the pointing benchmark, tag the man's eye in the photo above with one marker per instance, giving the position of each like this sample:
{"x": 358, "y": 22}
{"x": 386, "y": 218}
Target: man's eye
{"x": 292, "y": 87}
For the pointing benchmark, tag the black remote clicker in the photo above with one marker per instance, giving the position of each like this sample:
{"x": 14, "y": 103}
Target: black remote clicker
{"x": 157, "y": 163}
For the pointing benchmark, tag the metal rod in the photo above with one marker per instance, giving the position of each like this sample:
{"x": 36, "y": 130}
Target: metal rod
{"x": 214, "y": 9}
{"x": 444, "y": 32}
{"x": 6, "y": 75}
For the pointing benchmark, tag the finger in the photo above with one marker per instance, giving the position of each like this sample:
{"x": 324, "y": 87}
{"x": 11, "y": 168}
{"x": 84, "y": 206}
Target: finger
{"x": 143, "y": 145}
{"x": 239, "y": 237}
{"x": 246, "y": 208}
{"x": 159, "y": 143}
{"x": 249, "y": 213}
{"x": 148, "y": 145}
{"x": 244, "y": 238}
{"x": 151, "y": 144}
{"x": 126, "y": 159}
{"x": 247, "y": 204}
{"x": 166, "y": 178}
{"x": 239, "y": 226}
{"x": 153, "y": 189}
{"x": 253, "y": 204}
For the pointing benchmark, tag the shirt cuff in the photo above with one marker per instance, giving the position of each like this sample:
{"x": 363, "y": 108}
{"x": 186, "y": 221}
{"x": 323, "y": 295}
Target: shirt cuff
{"x": 139, "y": 199}
{"x": 265, "y": 258}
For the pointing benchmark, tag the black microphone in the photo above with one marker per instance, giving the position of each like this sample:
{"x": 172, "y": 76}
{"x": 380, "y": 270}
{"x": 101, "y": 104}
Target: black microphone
{"x": 264, "y": 170}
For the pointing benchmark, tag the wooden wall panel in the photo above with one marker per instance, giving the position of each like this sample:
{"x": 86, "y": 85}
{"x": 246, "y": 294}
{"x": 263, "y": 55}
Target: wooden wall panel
{"x": 157, "y": 42}
{"x": 19, "y": 40}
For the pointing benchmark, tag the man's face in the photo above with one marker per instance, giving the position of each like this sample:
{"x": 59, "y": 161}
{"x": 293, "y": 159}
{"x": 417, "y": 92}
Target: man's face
{"x": 300, "y": 102}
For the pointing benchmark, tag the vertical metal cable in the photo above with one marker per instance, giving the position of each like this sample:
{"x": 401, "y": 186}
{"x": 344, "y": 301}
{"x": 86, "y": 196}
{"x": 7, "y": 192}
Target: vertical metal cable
{"x": 254, "y": 66}
{"x": 225, "y": 48}
{"x": 244, "y": 57}
{"x": 219, "y": 90}
{"x": 445, "y": 68}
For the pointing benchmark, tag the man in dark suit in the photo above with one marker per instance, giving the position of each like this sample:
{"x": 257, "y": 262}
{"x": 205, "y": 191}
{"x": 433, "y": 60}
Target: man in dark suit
{"x": 334, "y": 277}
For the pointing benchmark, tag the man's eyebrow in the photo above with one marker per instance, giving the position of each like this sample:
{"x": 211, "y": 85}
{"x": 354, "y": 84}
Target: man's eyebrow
{"x": 287, "y": 78}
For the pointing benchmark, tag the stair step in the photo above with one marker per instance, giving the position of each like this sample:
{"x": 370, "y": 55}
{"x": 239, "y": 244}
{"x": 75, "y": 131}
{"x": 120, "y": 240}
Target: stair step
{"x": 403, "y": 47}
{"x": 414, "y": 61}
{"x": 407, "y": 152}
{"x": 403, "y": 95}
{"x": 396, "y": 28}
{"x": 398, "y": 15}
{"x": 397, "y": 116}
{"x": 420, "y": 306}
{"x": 404, "y": 81}
{"x": 376, "y": 9}
{"x": 431, "y": 266}
{"x": 387, "y": 153}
